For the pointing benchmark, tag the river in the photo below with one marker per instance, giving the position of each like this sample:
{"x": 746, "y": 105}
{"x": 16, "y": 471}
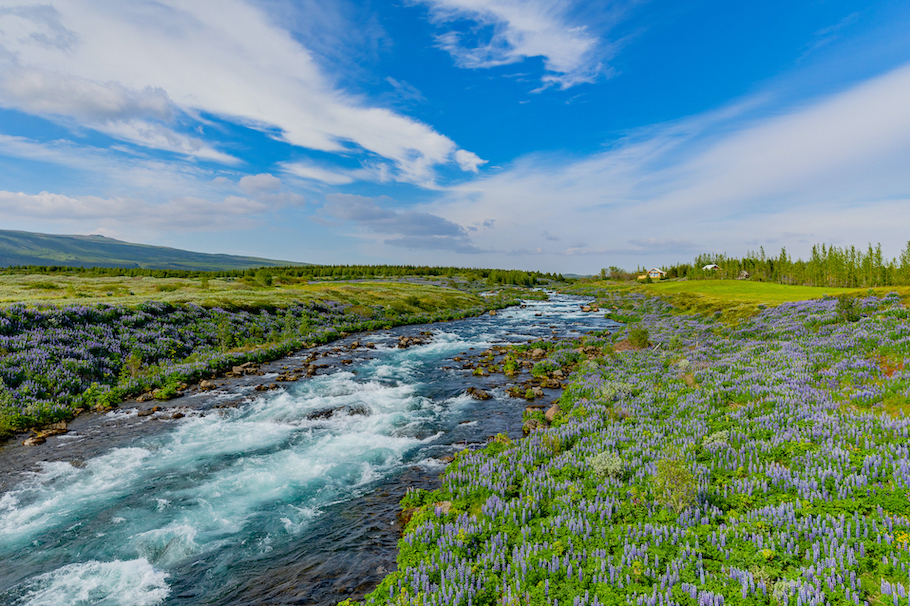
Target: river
{"x": 258, "y": 498}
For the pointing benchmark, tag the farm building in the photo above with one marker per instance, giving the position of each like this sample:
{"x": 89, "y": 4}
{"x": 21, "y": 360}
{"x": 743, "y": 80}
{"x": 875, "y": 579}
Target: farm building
{"x": 711, "y": 267}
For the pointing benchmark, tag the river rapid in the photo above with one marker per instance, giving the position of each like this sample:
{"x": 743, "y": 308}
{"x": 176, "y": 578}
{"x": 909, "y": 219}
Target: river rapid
{"x": 259, "y": 498}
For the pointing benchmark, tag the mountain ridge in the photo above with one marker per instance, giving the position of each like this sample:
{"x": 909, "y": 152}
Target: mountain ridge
{"x": 31, "y": 248}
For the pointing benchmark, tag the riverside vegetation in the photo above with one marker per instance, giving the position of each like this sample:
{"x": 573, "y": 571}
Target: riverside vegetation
{"x": 72, "y": 340}
{"x": 759, "y": 457}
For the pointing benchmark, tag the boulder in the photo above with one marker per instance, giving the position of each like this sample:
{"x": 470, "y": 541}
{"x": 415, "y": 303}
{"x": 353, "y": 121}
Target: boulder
{"x": 443, "y": 507}
{"x": 538, "y": 392}
{"x": 206, "y": 385}
{"x": 478, "y": 394}
{"x": 327, "y": 413}
{"x": 532, "y": 424}
{"x": 405, "y": 516}
{"x": 54, "y": 429}
{"x": 34, "y": 441}
{"x": 538, "y": 353}
{"x": 552, "y": 413}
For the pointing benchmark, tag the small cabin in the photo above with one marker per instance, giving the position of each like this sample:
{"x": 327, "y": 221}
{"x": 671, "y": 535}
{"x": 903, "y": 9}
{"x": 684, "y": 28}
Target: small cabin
{"x": 656, "y": 274}
{"x": 711, "y": 267}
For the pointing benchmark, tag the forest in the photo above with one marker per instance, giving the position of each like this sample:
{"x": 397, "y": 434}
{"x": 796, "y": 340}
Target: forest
{"x": 828, "y": 265}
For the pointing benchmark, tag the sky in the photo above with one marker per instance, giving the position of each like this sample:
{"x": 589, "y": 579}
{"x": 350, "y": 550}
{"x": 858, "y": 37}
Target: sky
{"x": 546, "y": 135}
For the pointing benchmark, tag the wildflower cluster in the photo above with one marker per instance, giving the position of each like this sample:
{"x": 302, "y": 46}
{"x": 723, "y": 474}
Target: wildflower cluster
{"x": 774, "y": 470}
{"x": 55, "y": 360}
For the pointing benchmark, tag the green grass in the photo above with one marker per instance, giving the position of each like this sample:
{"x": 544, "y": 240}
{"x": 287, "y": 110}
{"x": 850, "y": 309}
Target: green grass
{"x": 225, "y": 293}
{"x": 762, "y": 292}
{"x": 733, "y": 300}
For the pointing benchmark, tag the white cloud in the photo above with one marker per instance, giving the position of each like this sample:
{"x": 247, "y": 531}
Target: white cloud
{"x": 468, "y": 161}
{"x": 835, "y": 168}
{"x": 125, "y": 67}
{"x": 261, "y": 183}
{"x": 317, "y": 173}
{"x": 88, "y": 213}
{"x": 521, "y": 29}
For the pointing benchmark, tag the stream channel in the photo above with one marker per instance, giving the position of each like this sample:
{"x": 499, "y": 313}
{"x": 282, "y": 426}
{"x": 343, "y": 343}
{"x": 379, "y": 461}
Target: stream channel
{"x": 260, "y": 497}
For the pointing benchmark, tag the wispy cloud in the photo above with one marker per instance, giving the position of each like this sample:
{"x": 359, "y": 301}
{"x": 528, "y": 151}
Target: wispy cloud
{"x": 89, "y": 213}
{"x": 510, "y": 31}
{"x": 747, "y": 172}
{"x": 145, "y": 71}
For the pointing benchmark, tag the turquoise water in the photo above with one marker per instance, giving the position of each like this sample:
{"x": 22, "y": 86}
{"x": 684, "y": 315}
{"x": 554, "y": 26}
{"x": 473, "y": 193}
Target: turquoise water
{"x": 265, "y": 503}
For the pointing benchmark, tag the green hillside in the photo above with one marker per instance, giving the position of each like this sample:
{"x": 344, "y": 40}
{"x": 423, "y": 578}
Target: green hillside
{"x": 26, "y": 248}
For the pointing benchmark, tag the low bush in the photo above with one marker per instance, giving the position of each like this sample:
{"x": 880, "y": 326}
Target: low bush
{"x": 638, "y": 336}
{"x": 606, "y": 465}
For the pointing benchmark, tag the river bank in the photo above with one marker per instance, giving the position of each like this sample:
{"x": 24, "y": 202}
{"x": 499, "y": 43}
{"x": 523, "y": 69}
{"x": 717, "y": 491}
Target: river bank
{"x": 60, "y": 362}
{"x": 762, "y": 462}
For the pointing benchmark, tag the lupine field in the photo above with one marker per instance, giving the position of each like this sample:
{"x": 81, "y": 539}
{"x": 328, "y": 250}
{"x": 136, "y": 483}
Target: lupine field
{"x": 759, "y": 463}
{"x": 56, "y": 360}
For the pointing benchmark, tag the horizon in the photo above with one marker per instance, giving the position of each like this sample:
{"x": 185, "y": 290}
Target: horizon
{"x": 542, "y": 135}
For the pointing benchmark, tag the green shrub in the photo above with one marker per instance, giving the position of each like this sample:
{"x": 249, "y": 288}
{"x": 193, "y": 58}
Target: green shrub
{"x": 717, "y": 438}
{"x": 552, "y": 443}
{"x": 607, "y": 465}
{"x": 613, "y": 390}
{"x": 638, "y": 336}
{"x": 168, "y": 392}
{"x": 542, "y": 368}
{"x": 674, "y": 485}
{"x": 846, "y": 308}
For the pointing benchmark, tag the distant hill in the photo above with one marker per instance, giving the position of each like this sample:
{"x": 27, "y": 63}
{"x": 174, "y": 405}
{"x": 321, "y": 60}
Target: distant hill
{"x": 26, "y": 248}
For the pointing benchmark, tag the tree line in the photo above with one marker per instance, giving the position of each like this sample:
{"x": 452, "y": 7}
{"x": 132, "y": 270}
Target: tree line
{"x": 827, "y": 265}
{"x": 340, "y": 272}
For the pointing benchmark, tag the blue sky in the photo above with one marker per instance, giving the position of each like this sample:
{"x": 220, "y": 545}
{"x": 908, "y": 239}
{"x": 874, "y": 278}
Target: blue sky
{"x": 541, "y": 134}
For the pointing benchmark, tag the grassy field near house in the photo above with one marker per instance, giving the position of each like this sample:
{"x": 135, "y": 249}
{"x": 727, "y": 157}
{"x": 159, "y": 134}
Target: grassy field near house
{"x": 733, "y": 300}
{"x": 764, "y": 292}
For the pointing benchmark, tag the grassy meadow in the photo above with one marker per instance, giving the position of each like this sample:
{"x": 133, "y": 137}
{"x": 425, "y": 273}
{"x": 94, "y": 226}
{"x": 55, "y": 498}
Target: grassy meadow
{"x": 226, "y": 293}
{"x": 733, "y": 300}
